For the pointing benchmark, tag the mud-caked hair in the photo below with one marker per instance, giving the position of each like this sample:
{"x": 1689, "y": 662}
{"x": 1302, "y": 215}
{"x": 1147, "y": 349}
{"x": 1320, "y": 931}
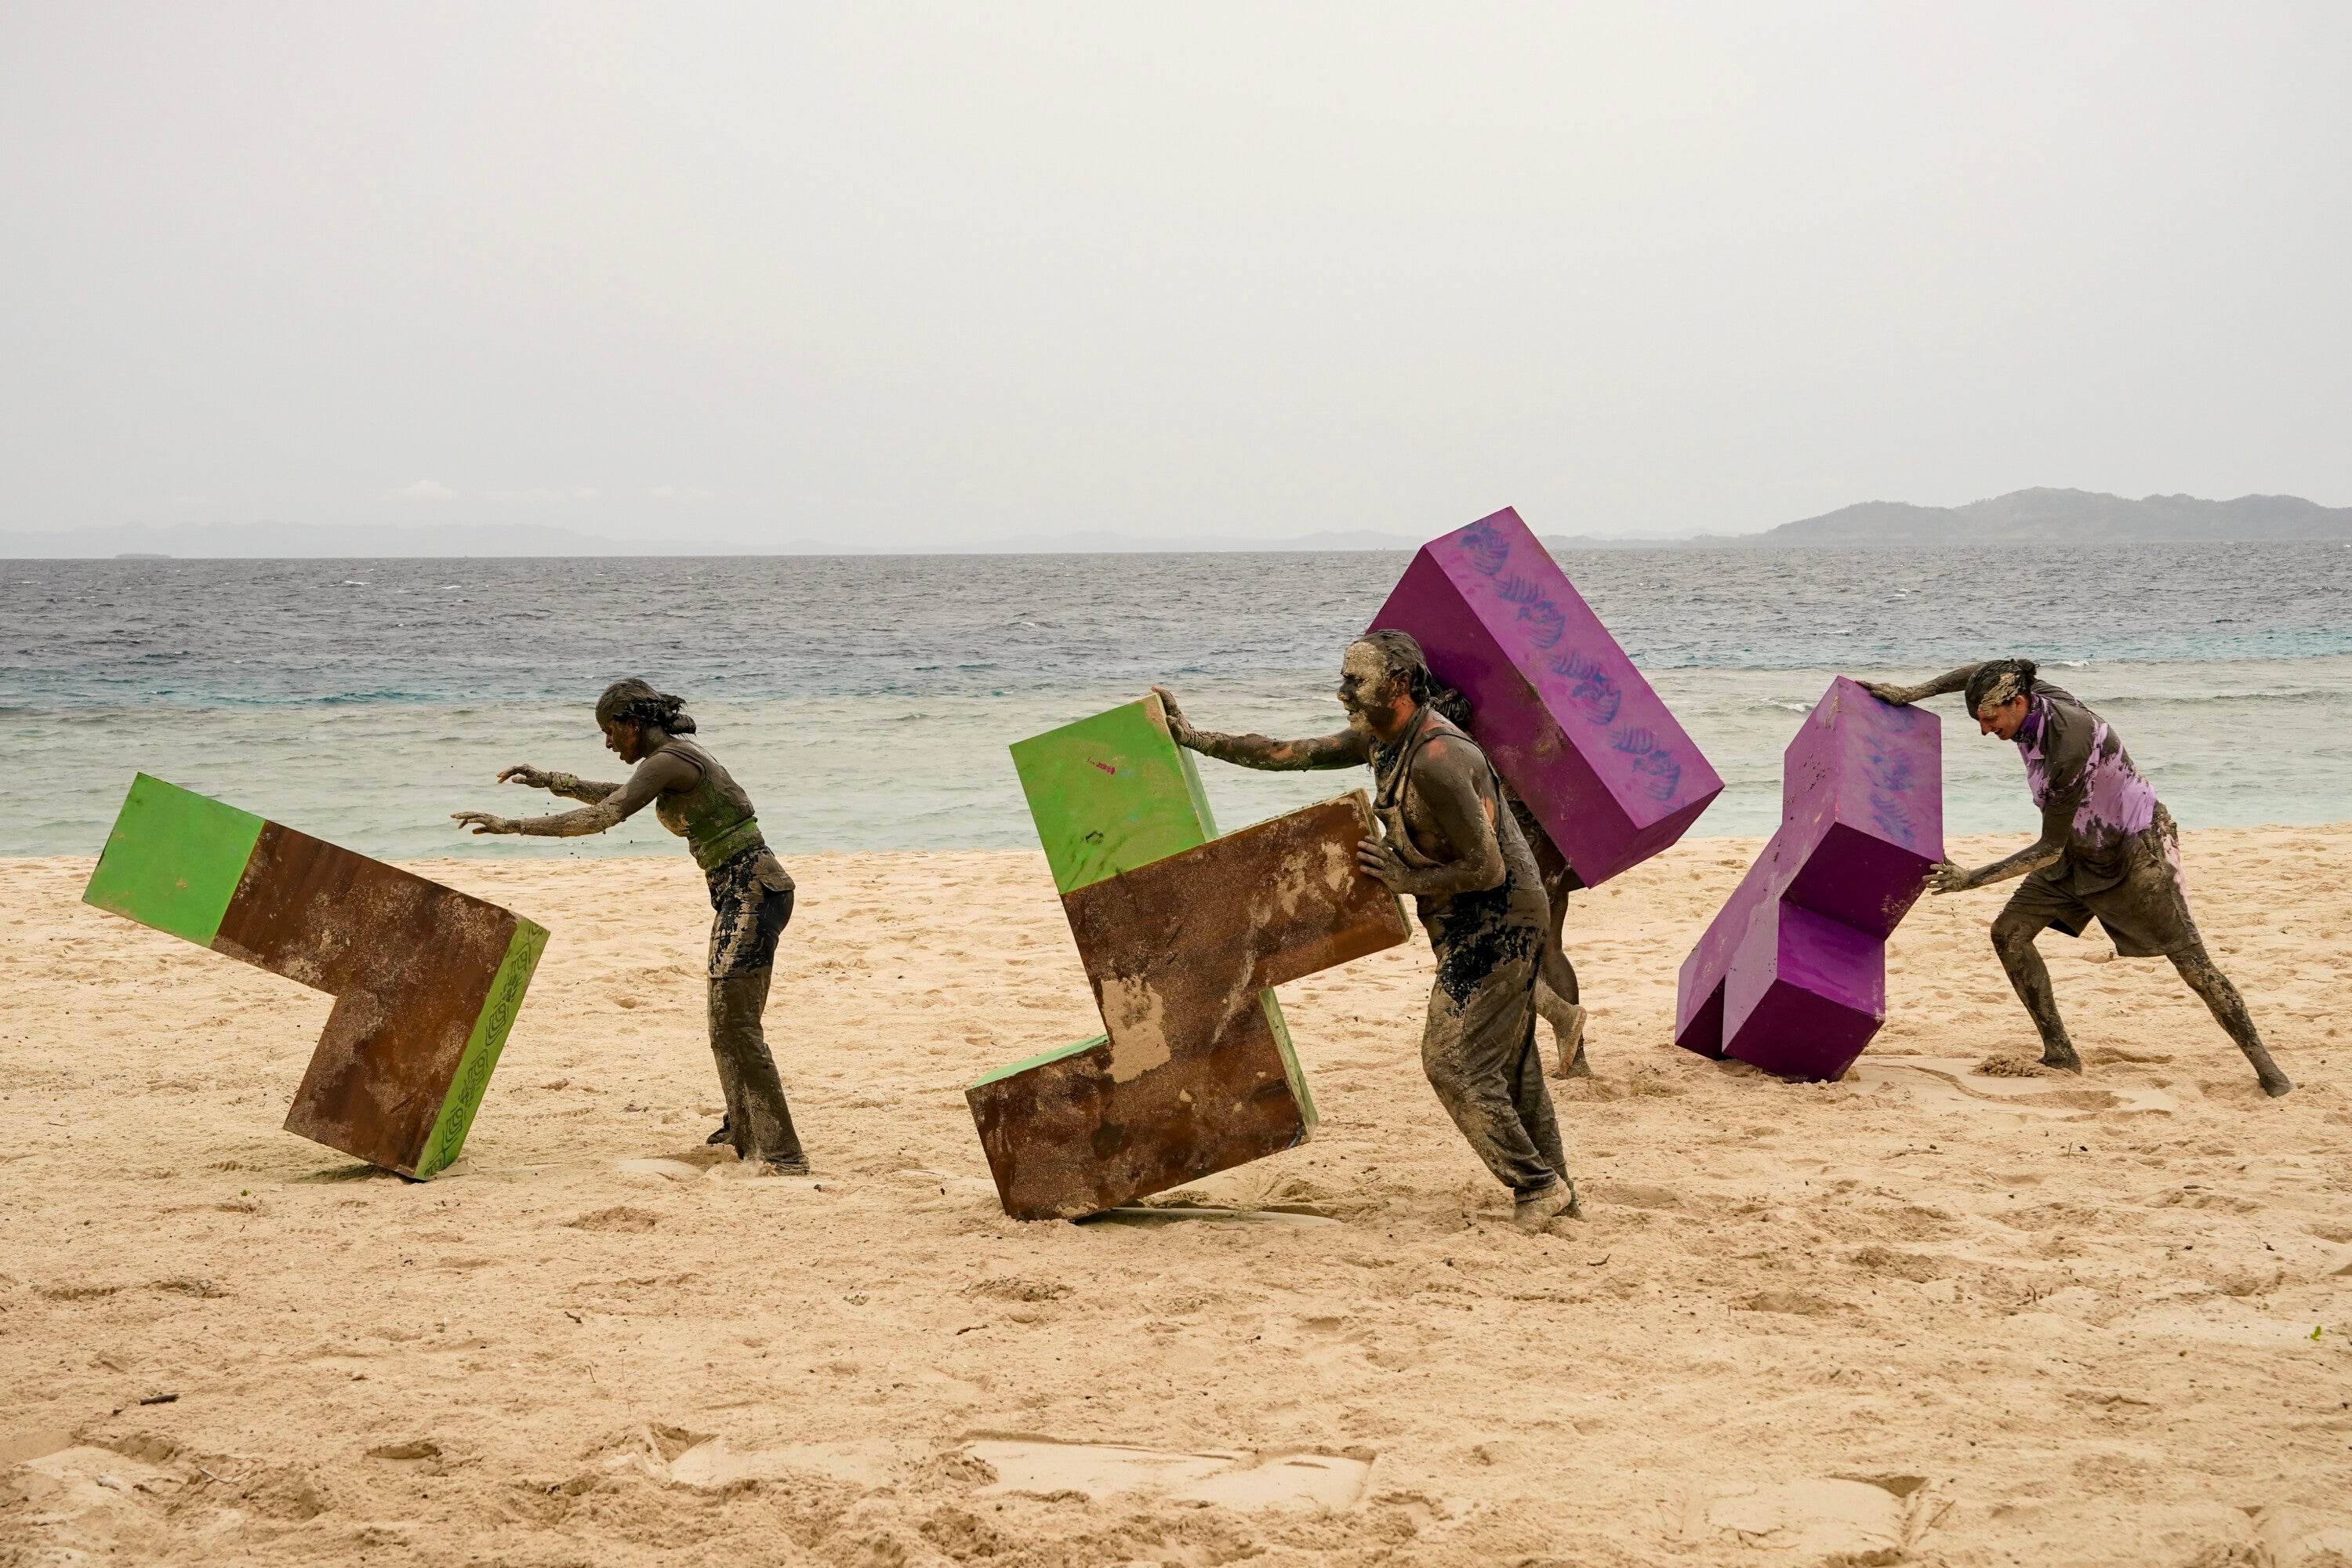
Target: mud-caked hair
{"x": 1998, "y": 683}
{"x": 1401, "y": 654}
{"x": 634, "y": 701}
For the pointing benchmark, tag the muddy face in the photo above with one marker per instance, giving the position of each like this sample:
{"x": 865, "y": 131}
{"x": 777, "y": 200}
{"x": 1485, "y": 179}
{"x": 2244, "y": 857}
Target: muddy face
{"x": 2003, "y": 719}
{"x": 625, "y": 742}
{"x": 1365, "y": 686}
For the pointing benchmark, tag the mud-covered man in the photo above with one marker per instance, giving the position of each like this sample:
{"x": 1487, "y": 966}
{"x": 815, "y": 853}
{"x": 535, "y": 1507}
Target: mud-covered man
{"x": 2108, "y": 850}
{"x": 1452, "y": 844}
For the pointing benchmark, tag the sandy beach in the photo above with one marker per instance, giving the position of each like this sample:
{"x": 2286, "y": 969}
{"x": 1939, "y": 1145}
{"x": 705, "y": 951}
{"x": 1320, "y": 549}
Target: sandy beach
{"x": 1923, "y": 1315}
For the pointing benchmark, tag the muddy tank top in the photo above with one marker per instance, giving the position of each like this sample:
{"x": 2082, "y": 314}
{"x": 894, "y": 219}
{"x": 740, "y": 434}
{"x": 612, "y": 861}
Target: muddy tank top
{"x": 1517, "y": 902}
{"x": 715, "y": 816}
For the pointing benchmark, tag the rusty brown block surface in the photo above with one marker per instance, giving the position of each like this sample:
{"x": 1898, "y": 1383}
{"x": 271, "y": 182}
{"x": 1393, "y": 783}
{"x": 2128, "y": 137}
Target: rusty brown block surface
{"x": 1195, "y": 1073}
{"x": 1069, "y": 1136}
{"x": 1177, "y": 948}
{"x": 409, "y": 964}
{"x": 427, "y": 980}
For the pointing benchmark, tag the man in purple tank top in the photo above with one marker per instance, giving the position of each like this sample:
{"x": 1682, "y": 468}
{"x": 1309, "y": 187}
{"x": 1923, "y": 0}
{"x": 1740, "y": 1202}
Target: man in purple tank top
{"x": 2108, "y": 851}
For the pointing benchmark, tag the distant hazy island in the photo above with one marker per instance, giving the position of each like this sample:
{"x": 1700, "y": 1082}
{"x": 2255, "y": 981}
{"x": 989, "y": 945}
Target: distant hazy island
{"x": 2059, "y": 517}
{"x": 2020, "y": 517}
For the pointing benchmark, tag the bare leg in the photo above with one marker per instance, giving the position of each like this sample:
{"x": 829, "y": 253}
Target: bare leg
{"x": 2228, "y": 1009}
{"x": 1557, "y": 997}
{"x": 2012, "y": 938}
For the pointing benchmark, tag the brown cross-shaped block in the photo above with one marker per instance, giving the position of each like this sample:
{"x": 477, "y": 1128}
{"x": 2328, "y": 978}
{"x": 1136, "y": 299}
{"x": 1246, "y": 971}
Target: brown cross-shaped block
{"x": 1195, "y": 1073}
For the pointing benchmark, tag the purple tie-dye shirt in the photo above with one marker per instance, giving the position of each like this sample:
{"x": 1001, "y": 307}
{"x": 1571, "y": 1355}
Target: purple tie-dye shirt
{"x": 2083, "y": 779}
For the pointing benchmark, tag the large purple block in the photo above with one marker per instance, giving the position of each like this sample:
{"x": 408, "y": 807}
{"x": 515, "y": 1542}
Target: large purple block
{"x": 1804, "y": 994}
{"x": 1569, "y": 722}
{"x": 1791, "y": 974}
{"x": 1863, "y": 782}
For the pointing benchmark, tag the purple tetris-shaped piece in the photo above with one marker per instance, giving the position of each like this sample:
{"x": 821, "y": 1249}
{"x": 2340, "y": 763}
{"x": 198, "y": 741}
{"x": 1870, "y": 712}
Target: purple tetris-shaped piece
{"x": 1791, "y": 974}
{"x": 1569, "y": 722}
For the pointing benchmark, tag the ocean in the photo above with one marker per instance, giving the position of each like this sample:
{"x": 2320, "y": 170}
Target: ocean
{"x": 866, "y": 701}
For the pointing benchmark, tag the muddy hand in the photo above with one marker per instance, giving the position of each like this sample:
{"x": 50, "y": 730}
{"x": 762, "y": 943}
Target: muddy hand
{"x": 1379, "y": 862}
{"x": 1948, "y": 878}
{"x": 1887, "y": 692}
{"x": 1180, "y": 729}
{"x": 527, "y": 776}
{"x": 483, "y": 822}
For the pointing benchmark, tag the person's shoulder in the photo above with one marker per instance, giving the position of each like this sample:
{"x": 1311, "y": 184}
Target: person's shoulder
{"x": 1449, "y": 747}
{"x": 682, "y": 759}
{"x": 2057, "y": 694}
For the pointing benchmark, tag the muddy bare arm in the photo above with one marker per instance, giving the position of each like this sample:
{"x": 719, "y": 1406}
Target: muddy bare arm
{"x": 570, "y": 785}
{"x": 1903, "y": 696}
{"x": 662, "y": 771}
{"x": 1451, "y": 779}
{"x": 1345, "y": 750}
{"x": 2046, "y": 850}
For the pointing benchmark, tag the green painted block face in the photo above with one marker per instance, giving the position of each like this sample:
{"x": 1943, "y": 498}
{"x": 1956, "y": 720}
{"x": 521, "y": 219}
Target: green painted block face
{"x": 1075, "y": 1048}
{"x": 1112, "y": 792}
{"x": 173, "y": 860}
{"x": 1290, "y": 1068}
{"x": 482, "y": 1048}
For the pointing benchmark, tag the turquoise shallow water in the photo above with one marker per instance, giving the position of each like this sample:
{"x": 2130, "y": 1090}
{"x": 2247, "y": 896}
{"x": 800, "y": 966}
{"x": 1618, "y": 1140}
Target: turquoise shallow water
{"x": 868, "y": 704}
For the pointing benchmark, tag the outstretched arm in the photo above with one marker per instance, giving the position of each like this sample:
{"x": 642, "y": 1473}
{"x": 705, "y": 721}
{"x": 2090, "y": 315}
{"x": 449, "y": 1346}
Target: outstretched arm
{"x": 2056, "y": 818}
{"x": 662, "y": 771}
{"x": 1903, "y": 696}
{"x": 1345, "y": 750}
{"x": 1450, "y": 778}
{"x": 569, "y": 784}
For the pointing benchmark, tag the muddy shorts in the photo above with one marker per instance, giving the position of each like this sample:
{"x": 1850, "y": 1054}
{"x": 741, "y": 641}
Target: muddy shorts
{"x": 2144, "y": 909}
{"x": 749, "y": 912}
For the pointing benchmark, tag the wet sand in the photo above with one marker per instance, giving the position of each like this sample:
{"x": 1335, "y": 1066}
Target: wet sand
{"x": 1923, "y": 1315}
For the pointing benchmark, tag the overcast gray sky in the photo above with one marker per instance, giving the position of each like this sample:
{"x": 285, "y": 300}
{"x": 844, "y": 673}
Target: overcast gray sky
{"x": 911, "y": 274}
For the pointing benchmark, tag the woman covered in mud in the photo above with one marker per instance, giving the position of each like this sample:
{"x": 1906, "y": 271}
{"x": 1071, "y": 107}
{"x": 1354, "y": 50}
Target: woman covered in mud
{"x": 750, "y": 891}
{"x": 2108, "y": 850}
{"x": 1454, "y": 844}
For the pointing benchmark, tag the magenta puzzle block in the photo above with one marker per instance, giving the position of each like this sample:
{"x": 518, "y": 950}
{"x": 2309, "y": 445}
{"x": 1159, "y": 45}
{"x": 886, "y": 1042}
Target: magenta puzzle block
{"x": 1791, "y": 974}
{"x": 1570, "y": 723}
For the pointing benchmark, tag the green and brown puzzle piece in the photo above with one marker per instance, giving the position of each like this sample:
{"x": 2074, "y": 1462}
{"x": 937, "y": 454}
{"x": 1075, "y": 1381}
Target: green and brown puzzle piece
{"x": 1184, "y": 935}
{"x": 427, "y": 980}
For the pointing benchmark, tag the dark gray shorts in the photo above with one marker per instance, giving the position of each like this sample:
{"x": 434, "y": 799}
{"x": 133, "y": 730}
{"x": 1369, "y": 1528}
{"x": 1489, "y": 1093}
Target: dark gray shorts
{"x": 2146, "y": 912}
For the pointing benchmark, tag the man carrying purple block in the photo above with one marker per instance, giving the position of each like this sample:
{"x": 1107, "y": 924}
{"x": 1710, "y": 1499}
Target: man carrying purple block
{"x": 2108, "y": 849}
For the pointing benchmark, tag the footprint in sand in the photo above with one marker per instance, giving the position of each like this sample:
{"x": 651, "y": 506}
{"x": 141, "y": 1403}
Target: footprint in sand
{"x": 1849, "y": 1519}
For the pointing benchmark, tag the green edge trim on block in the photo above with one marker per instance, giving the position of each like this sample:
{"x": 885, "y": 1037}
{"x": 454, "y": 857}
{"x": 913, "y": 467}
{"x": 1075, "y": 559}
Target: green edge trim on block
{"x": 173, "y": 860}
{"x": 482, "y": 1048}
{"x": 1077, "y": 1048}
{"x": 1290, "y": 1068}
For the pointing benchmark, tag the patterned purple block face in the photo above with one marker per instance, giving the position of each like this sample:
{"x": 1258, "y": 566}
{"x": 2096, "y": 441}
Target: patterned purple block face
{"x": 1791, "y": 974}
{"x": 1570, "y": 724}
{"x": 1863, "y": 786}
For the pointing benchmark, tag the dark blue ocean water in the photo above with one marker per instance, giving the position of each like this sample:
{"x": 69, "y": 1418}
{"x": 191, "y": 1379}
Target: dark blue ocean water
{"x": 867, "y": 700}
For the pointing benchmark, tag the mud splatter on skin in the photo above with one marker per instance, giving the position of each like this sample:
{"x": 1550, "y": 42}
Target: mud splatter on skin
{"x": 1450, "y": 843}
{"x": 751, "y": 892}
{"x": 2108, "y": 850}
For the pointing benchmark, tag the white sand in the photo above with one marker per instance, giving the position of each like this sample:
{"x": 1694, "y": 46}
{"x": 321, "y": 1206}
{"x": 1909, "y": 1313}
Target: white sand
{"x": 1968, "y": 1318}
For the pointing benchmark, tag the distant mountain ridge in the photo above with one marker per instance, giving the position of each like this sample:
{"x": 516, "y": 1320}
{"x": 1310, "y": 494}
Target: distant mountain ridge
{"x": 2060, "y": 517}
{"x": 2040, "y": 516}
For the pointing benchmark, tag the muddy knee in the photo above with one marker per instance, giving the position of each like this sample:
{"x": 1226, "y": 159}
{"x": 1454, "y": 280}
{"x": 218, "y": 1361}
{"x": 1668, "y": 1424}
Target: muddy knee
{"x": 2012, "y": 940}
